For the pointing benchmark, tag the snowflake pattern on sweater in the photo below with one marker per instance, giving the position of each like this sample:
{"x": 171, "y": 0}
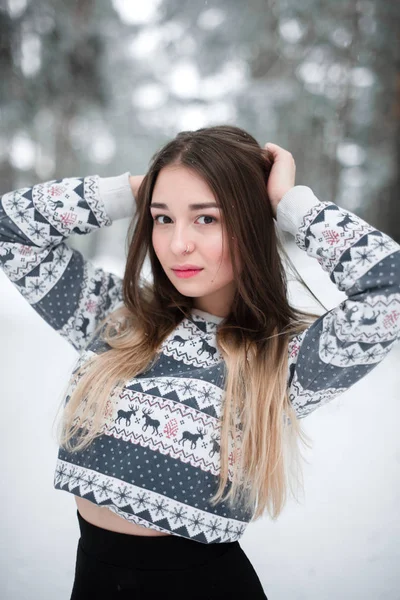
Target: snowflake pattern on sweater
{"x": 156, "y": 463}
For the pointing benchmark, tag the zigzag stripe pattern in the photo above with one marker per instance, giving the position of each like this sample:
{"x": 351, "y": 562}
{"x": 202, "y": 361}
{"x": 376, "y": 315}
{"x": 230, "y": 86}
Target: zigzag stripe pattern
{"x": 362, "y": 258}
{"x": 40, "y": 281}
{"x": 20, "y": 266}
{"x": 329, "y": 232}
{"x": 302, "y": 236}
{"x": 77, "y": 202}
{"x": 183, "y": 345}
{"x": 19, "y": 207}
{"x": 184, "y": 388}
{"x": 131, "y": 501}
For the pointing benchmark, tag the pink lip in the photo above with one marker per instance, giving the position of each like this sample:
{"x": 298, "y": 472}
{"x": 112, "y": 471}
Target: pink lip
{"x": 186, "y": 272}
{"x": 186, "y": 266}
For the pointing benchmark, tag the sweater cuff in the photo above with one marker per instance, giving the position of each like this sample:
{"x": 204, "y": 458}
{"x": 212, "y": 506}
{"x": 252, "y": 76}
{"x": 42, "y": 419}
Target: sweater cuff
{"x": 293, "y": 207}
{"x": 116, "y": 194}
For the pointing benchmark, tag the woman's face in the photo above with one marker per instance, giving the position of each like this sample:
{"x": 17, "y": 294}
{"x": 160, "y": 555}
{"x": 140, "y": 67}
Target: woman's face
{"x": 177, "y": 225}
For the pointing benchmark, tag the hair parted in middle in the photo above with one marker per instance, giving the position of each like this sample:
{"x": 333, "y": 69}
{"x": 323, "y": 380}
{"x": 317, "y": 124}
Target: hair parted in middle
{"x": 259, "y": 432}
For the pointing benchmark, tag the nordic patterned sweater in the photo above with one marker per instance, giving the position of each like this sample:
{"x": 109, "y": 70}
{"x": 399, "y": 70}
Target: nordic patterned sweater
{"x": 151, "y": 465}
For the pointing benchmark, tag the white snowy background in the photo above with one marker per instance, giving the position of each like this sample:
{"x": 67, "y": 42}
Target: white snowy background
{"x": 340, "y": 541}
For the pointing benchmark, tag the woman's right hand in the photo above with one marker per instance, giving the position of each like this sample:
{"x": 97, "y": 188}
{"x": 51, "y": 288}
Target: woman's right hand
{"x": 135, "y": 181}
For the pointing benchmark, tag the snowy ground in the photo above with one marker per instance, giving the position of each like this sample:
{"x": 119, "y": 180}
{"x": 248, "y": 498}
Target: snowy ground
{"x": 341, "y": 541}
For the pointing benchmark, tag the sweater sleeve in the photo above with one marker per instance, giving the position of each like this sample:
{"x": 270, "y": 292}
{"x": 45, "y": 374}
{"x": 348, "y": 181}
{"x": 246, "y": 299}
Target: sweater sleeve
{"x": 347, "y": 342}
{"x": 68, "y": 292}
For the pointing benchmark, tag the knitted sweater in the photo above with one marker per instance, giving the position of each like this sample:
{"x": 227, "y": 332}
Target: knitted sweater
{"x": 156, "y": 463}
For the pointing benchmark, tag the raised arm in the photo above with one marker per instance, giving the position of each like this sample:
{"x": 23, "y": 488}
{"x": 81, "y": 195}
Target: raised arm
{"x": 68, "y": 292}
{"x": 347, "y": 342}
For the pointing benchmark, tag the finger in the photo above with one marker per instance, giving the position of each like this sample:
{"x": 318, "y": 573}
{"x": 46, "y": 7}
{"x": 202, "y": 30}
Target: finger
{"x": 273, "y": 146}
{"x": 274, "y": 149}
{"x": 270, "y": 144}
{"x": 278, "y": 152}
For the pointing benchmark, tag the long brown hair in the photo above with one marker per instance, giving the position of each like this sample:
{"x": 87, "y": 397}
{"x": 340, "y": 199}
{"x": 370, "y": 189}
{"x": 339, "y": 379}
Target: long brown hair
{"x": 258, "y": 423}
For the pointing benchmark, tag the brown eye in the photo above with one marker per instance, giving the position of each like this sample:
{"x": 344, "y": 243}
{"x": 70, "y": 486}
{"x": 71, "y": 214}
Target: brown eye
{"x": 208, "y": 217}
{"x": 157, "y": 217}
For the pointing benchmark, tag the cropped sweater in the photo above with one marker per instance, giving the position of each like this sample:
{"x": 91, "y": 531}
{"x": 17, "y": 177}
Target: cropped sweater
{"x": 157, "y": 463}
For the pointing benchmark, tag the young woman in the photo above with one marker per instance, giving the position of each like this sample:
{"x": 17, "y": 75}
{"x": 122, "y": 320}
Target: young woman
{"x": 185, "y": 404}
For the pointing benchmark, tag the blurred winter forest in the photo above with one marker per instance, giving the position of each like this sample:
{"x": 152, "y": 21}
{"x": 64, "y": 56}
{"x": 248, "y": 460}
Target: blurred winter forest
{"x": 97, "y": 86}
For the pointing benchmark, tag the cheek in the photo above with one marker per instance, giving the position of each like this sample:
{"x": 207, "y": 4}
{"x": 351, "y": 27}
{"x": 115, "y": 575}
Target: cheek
{"x": 157, "y": 243}
{"x": 218, "y": 255}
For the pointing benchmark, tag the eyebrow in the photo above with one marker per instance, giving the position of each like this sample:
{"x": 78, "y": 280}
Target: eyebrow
{"x": 200, "y": 206}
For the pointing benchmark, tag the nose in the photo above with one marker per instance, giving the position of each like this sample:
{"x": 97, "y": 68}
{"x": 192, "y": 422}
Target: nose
{"x": 180, "y": 240}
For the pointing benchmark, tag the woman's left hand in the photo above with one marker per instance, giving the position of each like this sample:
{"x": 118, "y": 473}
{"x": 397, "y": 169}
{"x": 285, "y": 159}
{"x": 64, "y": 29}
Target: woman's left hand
{"x": 282, "y": 176}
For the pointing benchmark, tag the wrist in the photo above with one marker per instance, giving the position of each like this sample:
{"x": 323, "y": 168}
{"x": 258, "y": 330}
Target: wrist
{"x": 295, "y": 203}
{"x": 116, "y": 194}
{"x": 135, "y": 182}
{"x": 278, "y": 197}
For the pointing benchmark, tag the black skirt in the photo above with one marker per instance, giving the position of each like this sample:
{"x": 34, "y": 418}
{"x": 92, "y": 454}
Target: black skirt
{"x": 112, "y": 565}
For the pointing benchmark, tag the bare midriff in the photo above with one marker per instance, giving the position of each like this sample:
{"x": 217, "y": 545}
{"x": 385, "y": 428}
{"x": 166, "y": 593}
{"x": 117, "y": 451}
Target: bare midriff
{"x": 105, "y": 518}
